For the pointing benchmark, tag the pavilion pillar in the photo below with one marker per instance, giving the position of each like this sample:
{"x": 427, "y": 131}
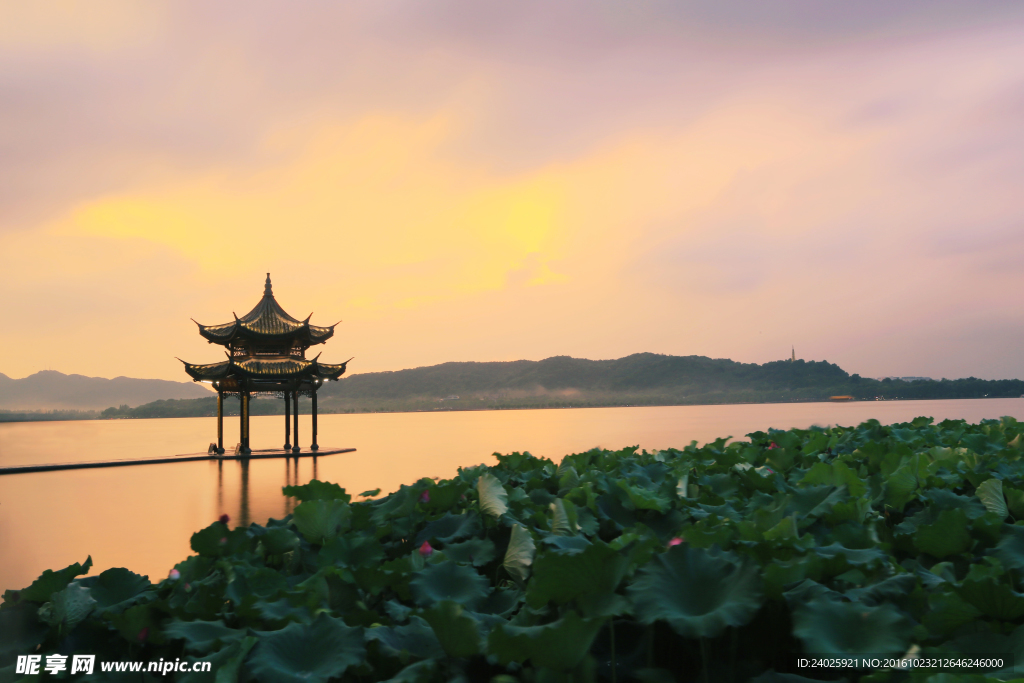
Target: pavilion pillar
{"x": 245, "y": 422}
{"x": 295, "y": 420}
{"x": 287, "y": 422}
{"x": 220, "y": 422}
{"x": 314, "y": 446}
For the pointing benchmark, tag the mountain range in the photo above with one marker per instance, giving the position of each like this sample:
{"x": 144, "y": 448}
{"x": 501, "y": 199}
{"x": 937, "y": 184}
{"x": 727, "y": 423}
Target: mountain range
{"x": 52, "y": 390}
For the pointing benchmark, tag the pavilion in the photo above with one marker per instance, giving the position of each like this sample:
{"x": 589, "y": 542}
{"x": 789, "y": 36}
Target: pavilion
{"x": 266, "y": 350}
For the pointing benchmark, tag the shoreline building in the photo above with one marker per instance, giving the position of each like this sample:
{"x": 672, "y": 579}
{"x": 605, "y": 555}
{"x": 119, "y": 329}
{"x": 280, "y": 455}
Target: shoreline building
{"x": 266, "y": 350}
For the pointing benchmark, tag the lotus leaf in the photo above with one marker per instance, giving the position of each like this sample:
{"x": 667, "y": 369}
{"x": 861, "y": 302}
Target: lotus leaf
{"x": 947, "y": 536}
{"x": 202, "y": 636}
{"x": 458, "y": 633}
{"x": 476, "y": 551}
{"x": 520, "y": 553}
{"x": 319, "y": 490}
{"x": 698, "y": 592}
{"x": 417, "y": 638}
{"x": 561, "y": 577}
{"x": 50, "y": 582}
{"x": 449, "y": 528}
{"x": 560, "y": 645}
{"x": 832, "y": 628}
{"x": 449, "y": 581}
{"x": 320, "y": 520}
{"x": 118, "y": 588}
{"x": 990, "y": 493}
{"x": 301, "y": 653}
{"x": 70, "y": 606}
{"x": 493, "y": 497}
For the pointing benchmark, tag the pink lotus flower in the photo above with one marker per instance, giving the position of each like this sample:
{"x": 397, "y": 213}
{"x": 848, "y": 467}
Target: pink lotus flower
{"x": 676, "y": 541}
{"x": 425, "y": 549}
{"x": 773, "y": 445}
{"x": 224, "y": 519}
{"x": 174, "y": 575}
{"x": 425, "y": 497}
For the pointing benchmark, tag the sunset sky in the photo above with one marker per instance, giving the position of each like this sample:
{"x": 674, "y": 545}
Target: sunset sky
{"x": 468, "y": 180}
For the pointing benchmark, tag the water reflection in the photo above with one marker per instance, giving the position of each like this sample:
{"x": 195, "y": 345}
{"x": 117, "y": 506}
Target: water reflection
{"x": 143, "y": 517}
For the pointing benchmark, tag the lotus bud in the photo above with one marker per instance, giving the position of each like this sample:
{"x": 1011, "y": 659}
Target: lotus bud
{"x": 425, "y": 497}
{"x": 143, "y": 634}
{"x": 174, "y": 575}
{"x": 425, "y": 549}
{"x": 676, "y": 541}
{"x": 224, "y": 519}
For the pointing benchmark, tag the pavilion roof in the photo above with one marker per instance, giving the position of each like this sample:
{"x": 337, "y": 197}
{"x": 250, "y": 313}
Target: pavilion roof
{"x": 267, "y": 322}
{"x": 266, "y": 369}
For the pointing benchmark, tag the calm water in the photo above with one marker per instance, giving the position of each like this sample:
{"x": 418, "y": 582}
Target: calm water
{"x": 142, "y": 517}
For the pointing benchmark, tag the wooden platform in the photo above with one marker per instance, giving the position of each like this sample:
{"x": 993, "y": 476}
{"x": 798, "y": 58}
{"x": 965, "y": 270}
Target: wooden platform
{"x": 187, "y": 457}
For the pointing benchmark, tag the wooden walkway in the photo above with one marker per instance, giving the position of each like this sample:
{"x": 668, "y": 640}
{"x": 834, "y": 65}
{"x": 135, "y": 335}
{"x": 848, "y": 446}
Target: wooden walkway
{"x": 187, "y": 457}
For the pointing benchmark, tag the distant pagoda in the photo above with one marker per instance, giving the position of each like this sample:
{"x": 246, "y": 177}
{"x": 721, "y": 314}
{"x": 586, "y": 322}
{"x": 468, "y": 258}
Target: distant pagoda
{"x": 266, "y": 351}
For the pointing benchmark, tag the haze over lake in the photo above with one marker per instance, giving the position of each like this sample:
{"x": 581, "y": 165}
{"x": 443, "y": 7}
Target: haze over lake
{"x": 142, "y": 517}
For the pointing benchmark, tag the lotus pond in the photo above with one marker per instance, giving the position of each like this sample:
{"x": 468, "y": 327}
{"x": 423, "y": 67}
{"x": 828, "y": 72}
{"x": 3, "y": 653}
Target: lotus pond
{"x": 726, "y": 562}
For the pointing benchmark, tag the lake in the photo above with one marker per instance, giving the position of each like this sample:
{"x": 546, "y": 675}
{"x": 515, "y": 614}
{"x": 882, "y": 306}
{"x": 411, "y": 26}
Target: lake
{"x": 142, "y": 517}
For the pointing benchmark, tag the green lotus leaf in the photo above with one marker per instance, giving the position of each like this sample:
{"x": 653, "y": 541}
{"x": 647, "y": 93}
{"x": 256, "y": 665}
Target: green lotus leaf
{"x": 947, "y": 536}
{"x": 351, "y": 551}
{"x": 559, "y": 645}
{"x": 900, "y": 487}
{"x": 70, "y": 606}
{"x": 501, "y": 602}
{"x": 698, "y": 592}
{"x": 832, "y": 628}
{"x": 561, "y": 577}
{"x": 854, "y": 556}
{"x": 317, "y": 490}
{"x": 255, "y": 582}
{"x": 458, "y": 633}
{"x": 279, "y": 540}
{"x": 449, "y": 581}
{"x": 991, "y": 595}
{"x": 990, "y": 493}
{"x": 837, "y": 474}
{"x": 520, "y": 553}
{"x": 947, "y": 612}
{"x": 49, "y": 582}
{"x": 217, "y": 540}
{"x": 20, "y": 630}
{"x": 116, "y": 589}
{"x": 420, "y": 672}
{"x": 493, "y": 497}
{"x": 1010, "y": 550}
{"x": 475, "y": 551}
{"x": 303, "y": 653}
{"x": 639, "y": 498}
{"x": 1014, "y": 500}
{"x": 772, "y": 676}
{"x": 944, "y": 499}
{"x": 202, "y": 636}
{"x": 569, "y": 545}
{"x": 449, "y": 528}
{"x": 320, "y": 520}
{"x": 417, "y": 638}
{"x": 889, "y": 589}
{"x": 226, "y": 662}
{"x": 560, "y": 524}
{"x": 785, "y": 530}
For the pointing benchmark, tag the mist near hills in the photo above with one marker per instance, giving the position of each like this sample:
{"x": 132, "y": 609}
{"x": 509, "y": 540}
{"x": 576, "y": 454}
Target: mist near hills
{"x": 52, "y": 390}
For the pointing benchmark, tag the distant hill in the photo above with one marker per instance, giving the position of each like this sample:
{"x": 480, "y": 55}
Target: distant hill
{"x": 51, "y": 390}
{"x": 640, "y": 379}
